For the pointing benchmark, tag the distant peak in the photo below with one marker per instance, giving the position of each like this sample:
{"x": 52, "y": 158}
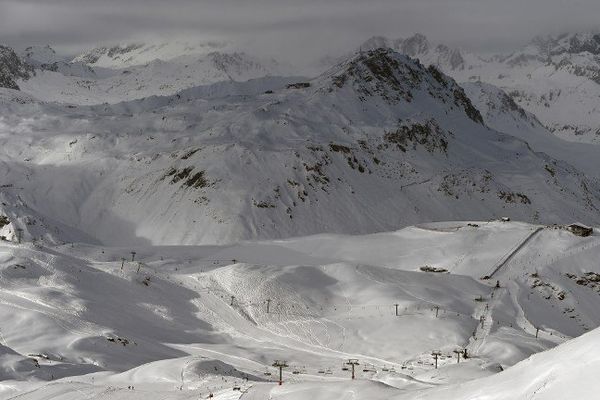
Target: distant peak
{"x": 567, "y": 43}
{"x": 40, "y": 55}
{"x": 376, "y": 42}
{"x": 139, "y": 53}
{"x": 415, "y": 45}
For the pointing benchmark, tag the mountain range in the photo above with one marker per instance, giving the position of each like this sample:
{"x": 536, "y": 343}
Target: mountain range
{"x": 175, "y": 217}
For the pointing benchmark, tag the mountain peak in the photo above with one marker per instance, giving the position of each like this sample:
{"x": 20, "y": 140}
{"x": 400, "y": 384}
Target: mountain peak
{"x": 414, "y": 45}
{"x": 12, "y": 68}
{"x": 567, "y": 43}
{"x": 418, "y": 46}
{"x": 376, "y": 42}
{"x": 40, "y": 55}
{"x": 396, "y": 77}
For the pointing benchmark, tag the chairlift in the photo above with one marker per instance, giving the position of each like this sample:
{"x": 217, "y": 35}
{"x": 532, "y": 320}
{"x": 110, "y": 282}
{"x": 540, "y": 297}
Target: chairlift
{"x": 267, "y": 373}
{"x": 385, "y": 369}
{"x": 328, "y": 371}
{"x": 321, "y": 371}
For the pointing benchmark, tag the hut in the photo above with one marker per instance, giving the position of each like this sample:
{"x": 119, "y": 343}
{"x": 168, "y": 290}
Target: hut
{"x": 580, "y": 230}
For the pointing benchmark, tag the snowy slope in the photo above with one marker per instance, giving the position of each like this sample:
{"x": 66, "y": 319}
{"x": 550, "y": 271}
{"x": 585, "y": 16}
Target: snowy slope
{"x": 136, "y": 71}
{"x": 156, "y": 77}
{"x": 555, "y": 78}
{"x": 167, "y": 323}
{"x": 368, "y": 139}
{"x": 565, "y": 372}
{"x": 501, "y": 113}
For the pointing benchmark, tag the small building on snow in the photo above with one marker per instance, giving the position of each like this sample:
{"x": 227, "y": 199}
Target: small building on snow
{"x": 580, "y": 230}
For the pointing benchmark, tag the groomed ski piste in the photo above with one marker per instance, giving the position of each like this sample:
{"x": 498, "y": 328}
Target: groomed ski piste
{"x": 83, "y": 321}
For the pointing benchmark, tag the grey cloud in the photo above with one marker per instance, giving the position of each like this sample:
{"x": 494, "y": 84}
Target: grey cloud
{"x": 294, "y": 27}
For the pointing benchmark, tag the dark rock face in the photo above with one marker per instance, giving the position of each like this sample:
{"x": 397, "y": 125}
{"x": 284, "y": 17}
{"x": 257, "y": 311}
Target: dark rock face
{"x": 12, "y": 68}
{"x": 395, "y": 77}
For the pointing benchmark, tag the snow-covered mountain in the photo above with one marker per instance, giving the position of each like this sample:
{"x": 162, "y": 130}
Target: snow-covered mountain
{"x": 418, "y": 46}
{"x": 83, "y": 82}
{"x": 106, "y": 158}
{"x": 555, "y": 78}
{"x": 503, "y": 114}
{"x": 135, "y": 54}
{"x": 379, "y": 137}
{"x": 45, "y": 58}
{"x": 12, "y": 68}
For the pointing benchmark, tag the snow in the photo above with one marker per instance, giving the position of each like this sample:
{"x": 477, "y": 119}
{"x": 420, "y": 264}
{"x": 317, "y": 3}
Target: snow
{"x": 102, "y": 329}
{"x": 234, "y": 161}
{"x": 175, "y": 218}
{"x": 553, "y": 78}
{"x": 156, "y": 77}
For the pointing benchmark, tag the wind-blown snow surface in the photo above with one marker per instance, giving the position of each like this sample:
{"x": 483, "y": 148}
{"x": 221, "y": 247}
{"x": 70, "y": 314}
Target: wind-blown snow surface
{"x": 376, "y": 143}
{"x": 83, "y": 321}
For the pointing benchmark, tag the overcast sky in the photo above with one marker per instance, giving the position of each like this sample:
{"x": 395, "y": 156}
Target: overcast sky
{"x": 301, "y": 27}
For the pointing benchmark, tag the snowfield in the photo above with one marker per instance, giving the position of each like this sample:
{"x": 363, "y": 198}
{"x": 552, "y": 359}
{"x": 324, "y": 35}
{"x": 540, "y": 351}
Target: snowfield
{"x": 182, "y": 322}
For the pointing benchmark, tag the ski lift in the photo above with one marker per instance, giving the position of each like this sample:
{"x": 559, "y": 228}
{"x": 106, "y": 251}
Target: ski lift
{"x": 328, "y": 371}
{"x": 385, "y": 369}
{"x": 267, "y": 373}
{"x": 296, "y": 372}
{"x": 345, "y": 367}
{"x": 369, "y": 368}
{"x": 321, "y": 371}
